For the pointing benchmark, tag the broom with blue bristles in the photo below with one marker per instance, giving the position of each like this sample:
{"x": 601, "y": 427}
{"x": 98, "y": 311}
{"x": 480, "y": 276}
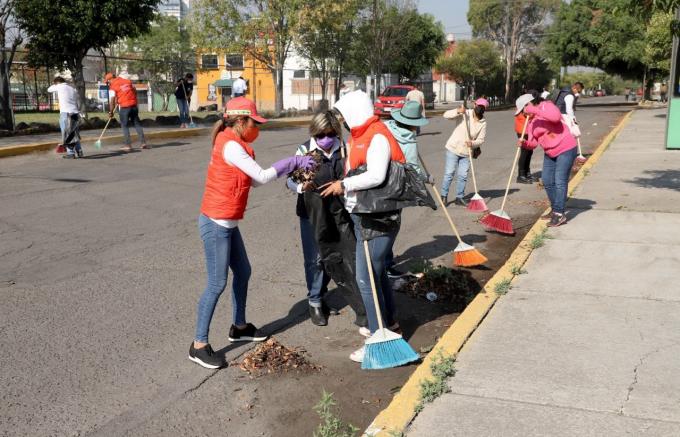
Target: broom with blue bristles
{"x": 384, "y": 349}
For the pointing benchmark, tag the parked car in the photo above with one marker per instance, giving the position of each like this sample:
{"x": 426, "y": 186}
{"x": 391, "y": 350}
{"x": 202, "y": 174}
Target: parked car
{"x": 392, "y": 97}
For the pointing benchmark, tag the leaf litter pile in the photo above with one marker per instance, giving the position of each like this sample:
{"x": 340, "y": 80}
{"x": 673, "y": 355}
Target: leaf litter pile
{"x": 271, "y": 357}
{"x": 440, "y": 284}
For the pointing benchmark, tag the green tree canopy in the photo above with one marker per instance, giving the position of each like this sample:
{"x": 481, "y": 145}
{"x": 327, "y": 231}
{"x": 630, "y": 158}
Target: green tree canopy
{"x": 60, "y": 33}
{"x": 421, "y": 42}
{"x": 476, "y": 65}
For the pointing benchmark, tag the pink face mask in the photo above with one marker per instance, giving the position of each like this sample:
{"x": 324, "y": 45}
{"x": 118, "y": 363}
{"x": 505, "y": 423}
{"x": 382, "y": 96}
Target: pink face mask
{"x": 326, "y": 142}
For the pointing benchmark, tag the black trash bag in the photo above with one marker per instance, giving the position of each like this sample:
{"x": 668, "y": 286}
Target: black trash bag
{"x": 334, "y": 234}
{"x": 403, "y": 187}
{"x": 72, "y": 130}
{"x": 379, "y": 224}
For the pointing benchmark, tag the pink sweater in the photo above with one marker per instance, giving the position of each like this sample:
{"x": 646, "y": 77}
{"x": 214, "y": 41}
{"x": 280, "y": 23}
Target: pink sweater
{"x": 547, "y": 129}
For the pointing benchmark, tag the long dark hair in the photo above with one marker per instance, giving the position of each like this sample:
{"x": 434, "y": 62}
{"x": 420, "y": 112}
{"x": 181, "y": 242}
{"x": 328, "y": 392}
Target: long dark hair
{"x": 479, "y": 111}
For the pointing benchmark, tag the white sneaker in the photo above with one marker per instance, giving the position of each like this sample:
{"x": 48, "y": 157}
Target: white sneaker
{"x": 358, "y": 355}
{"x": 365, "y": 332}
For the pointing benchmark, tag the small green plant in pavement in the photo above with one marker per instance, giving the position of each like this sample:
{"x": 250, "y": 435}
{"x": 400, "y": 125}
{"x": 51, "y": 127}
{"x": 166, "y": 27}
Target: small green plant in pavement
{"x": 430, "y": 389}
{"x": 517, "y": 270}
{"x": 331, "y": 425}
{"x": 539, "y": 239}
{"x": 502, "y": 287}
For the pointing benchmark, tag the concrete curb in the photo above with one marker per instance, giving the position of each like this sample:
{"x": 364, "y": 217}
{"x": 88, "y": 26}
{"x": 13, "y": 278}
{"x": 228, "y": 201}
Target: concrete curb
{"x": 394, "y": 419}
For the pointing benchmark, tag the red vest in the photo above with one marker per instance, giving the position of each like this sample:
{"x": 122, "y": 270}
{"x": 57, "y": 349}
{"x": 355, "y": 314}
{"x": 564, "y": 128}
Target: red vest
{"x": 361, "y": 140}
{"x": 226, "y": 186}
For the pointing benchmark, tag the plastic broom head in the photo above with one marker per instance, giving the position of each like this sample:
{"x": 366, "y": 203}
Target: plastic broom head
{"x": 98, "y": 144}
{"x": 192, "y": 125}
{"x": 498, "y": 221}
{"x": 477, "y": 204}
{"x": 581, "y": 159}
{"x": 465, "y": 255}
{"x": 386, "y": 349}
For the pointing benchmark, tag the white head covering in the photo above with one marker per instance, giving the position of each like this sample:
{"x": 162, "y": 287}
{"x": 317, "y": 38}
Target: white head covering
{"x": 522, "y": 101}
{"x": 356, "y": 107}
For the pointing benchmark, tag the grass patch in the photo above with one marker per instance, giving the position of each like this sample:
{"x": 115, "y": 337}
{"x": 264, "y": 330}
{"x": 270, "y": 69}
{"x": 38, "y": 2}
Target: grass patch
{"x": 517, "y": 270}
{"x": 502, "y": 287}
{"x": 430, "y": 389}
{"x": 539, "y": 239}
{"x": 53, "y": 117}
{"x": 331, "y": 425}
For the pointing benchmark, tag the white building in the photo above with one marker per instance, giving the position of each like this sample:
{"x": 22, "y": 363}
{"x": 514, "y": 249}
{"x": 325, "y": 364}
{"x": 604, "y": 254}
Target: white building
{"x": 175, "y": 8}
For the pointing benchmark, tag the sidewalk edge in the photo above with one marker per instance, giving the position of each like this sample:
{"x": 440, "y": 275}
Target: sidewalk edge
{"x": 394, "y": 419}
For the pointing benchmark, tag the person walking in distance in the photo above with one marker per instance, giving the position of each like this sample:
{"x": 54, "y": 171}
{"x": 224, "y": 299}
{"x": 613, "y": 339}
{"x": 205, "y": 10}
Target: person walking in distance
{"x": 126, "y": 96}
{"x": 231, "y": 172}
{"x": 459, "y": 147}
{"x": 69, "y": 116}
{"x": 416, "y": 95}
{"x": 239, "y": 87}
{"x": 183, "y": 91}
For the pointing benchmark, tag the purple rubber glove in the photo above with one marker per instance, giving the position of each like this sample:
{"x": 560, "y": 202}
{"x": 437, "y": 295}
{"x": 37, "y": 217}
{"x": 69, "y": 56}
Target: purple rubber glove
{"x": 287, "y": 165}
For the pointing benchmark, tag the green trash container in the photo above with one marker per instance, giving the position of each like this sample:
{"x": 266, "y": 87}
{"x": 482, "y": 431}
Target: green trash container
{"x": 673, "y": 118}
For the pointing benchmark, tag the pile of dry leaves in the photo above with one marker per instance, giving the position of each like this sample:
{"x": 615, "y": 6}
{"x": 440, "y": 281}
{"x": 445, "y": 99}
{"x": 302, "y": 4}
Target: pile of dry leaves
{"x": 300, "y": 176}
{"x": 441, "y": 284}
{"x": 273, "y": 357}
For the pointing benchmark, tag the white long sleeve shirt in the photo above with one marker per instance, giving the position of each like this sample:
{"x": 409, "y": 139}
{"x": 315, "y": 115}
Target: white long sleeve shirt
{"x": 236, "y": 155}
{"x": 67, "y": 96}
{"x": 569, "y": 104}
{"x": 377, "y": 163}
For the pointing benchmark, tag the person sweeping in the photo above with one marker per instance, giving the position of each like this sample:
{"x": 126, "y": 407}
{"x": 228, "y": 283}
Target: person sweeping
{"x": 524, "y": 175}
{"x": 231, "y": 173}
{"x": 372, "y": 147}
{"x": 459, "y": 148}
{"x": 547, "y": 128}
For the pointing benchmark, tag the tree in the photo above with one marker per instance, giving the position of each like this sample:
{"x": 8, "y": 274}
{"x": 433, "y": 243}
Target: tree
{"x": 60, "y": 34}
{"x": 323, "y": 37}
{"x": 262, "y": 29}
{"x": 475, "y": 64}
{"x": 514, "y": 25}
{"x": 10, "y": 40}
{"x": 658, "y": 47}
{"x": 166, "y": 55}
{"x": 533, "y": 72}
{"x": 422, "y": 41}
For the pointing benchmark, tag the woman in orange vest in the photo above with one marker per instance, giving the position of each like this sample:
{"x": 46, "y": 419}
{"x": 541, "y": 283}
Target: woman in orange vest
{"x": 371, "y": 144}
{"x": 231, "y": 173}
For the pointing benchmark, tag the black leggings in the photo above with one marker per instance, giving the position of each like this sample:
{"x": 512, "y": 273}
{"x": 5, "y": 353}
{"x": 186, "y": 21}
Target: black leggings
{"x": 524, "y": 163}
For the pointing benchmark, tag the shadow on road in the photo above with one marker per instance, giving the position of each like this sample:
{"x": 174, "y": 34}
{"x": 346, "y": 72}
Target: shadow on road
{"x": 668, "y": 179}
{"x": 494, "y": 194}
{"x": 578, "y": 206}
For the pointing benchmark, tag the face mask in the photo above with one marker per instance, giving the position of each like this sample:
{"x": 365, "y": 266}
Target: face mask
{"x": 325, "y": 142}
{"x": 190, "y": 82}
{"x": 250, "y": 134}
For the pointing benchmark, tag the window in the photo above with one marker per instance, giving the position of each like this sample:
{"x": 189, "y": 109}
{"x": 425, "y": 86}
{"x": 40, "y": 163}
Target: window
{"x": 299, "y": 74}
{"x": 235, "y": 61}
{"x": 395, "y": 91}
{"x": 209, "y": 62}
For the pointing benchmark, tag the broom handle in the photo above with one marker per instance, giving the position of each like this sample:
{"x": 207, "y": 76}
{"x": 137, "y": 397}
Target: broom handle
{"x": 578, "y": 141}
{"x": 191, "y": 120}
{"x": 105, "y": 127}
{"x": 472, "y": 165}
{"x": 514, "y": 164}
{"x": 441, "y": 202}
{"x": 376, "y": 302}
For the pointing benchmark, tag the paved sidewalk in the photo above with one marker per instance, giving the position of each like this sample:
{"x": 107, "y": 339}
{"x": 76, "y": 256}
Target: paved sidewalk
{"x": 587, "y": 343}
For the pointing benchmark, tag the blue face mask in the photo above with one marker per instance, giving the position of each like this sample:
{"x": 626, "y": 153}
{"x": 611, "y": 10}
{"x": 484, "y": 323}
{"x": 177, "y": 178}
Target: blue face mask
{"x": 326, "y": 142}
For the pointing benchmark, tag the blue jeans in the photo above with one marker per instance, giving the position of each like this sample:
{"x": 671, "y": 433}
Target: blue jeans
{"x": 128, "y": 115}
{"x": 63, "y": 118}
{"x": 378, "y": 249}
{"x": 453, "y": 162}
{"x": 555, "y": 177}
{"x": 224, "y": 249}
{"x": 317, "y": 279}
{"x": 183, "y": 107}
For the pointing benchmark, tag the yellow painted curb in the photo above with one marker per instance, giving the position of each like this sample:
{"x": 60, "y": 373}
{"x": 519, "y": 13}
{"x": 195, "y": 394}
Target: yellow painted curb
{"x": 394, "y": 419}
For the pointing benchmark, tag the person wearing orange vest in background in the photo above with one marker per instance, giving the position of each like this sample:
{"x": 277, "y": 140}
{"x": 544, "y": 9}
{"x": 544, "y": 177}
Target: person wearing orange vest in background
{"x": 126, "y": 97}
{"x": 231, "y": 173}
{"x": 371, "y": 143}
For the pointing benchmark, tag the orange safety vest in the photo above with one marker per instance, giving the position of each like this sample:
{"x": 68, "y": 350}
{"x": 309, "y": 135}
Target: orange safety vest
{"x": 361, "y": 140}
{"x": 226, "y": 186}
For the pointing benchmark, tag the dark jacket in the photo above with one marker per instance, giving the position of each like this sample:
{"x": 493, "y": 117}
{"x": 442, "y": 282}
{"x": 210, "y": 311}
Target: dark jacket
{"x": 559, "y": 99}
{"x": 179, "y": 92}
{"x": 331, "y": 169}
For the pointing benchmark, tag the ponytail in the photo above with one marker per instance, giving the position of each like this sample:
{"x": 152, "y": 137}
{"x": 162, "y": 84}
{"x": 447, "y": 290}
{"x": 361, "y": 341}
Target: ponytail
{"x": 216, "y": 129}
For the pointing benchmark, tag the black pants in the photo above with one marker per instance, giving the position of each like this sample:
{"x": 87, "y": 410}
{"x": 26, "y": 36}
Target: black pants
{"x": 524, "y": 163}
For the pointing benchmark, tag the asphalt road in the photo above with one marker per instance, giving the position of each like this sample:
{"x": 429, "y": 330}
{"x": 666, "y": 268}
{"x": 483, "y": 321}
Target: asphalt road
{"x": 101, "y": 267}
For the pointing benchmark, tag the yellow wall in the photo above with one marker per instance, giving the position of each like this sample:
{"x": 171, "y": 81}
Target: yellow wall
{"x": 260, "y": 82}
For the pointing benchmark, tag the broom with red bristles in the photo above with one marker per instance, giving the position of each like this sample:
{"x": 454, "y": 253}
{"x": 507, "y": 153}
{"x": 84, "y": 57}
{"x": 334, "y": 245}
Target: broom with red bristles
{"x": 580, "y": 158}
{"x": 464, "y": 255}
{"x": 499, "y": 220}
{"x": 476, "y": 203}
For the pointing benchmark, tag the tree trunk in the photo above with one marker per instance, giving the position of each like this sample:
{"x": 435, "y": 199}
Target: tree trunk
{"x": 6, "y": 115}
{"x": 278, "y": 83}
{"x": 509, "y": 66}
{"x": 79, "y": 80}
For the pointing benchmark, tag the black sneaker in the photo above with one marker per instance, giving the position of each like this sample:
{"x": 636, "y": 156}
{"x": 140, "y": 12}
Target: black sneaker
{"x": 206, "y": 357}
{"x": 445, "y": 201}
{"x": 249, "y": 333}
{"x": 80, "y": 154}
{"x": 393, "y": 273}
{"x": 557, "y": 219}
{"x": 69, "y": 156}
{"x": 460, "y": 201}
{"x": 317, "y": 316}
{"x": 524, "y": 180}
